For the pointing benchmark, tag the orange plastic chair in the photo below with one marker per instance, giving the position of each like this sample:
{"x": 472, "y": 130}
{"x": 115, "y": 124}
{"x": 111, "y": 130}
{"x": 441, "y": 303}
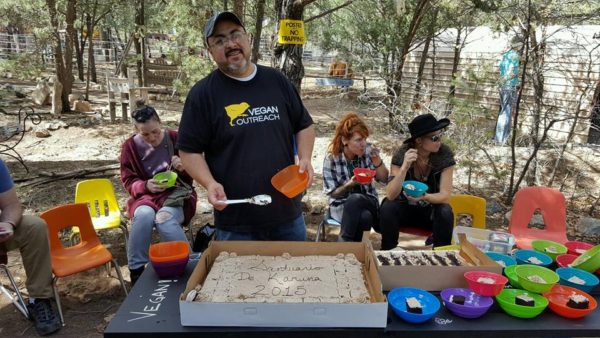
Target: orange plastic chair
{"x": 87, "y": 254}
{"x": 99, "y": 195}
{"x": 551, "y": 204}
{"x": 470, "y": 205}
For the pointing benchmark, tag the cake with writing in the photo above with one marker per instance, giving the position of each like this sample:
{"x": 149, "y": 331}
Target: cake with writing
{"x": 284, "y": 279}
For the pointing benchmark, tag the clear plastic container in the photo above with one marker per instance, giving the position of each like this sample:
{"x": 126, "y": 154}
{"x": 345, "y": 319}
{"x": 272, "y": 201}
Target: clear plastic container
{"x": 486, "y": 240}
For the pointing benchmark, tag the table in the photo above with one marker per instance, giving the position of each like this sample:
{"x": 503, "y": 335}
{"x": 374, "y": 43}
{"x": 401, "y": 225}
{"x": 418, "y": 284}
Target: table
{"x": 152, "y": 309}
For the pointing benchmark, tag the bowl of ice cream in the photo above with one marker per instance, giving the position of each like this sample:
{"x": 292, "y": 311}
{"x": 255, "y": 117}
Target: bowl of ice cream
{"x": 577, "y": 278}
{"x": 535, "y": 278}
{"x": 363, "y": 175}
{"x": 414, "y": 189}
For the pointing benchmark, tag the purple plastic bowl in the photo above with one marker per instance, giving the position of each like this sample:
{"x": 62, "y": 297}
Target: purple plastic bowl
{"x": 475, "y": 305}
{"x": 171, "y": 269}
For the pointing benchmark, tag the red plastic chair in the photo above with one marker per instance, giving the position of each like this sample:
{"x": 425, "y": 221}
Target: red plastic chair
{"x": 87, "y": 254}
{"x": 551, "y": 204}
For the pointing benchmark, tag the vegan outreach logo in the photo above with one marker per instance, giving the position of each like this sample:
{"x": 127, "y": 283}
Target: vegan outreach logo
{"x": 241, "y": 114}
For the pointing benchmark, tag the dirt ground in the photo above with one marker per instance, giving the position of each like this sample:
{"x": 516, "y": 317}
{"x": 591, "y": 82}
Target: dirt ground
{"x": 91, "y": 141}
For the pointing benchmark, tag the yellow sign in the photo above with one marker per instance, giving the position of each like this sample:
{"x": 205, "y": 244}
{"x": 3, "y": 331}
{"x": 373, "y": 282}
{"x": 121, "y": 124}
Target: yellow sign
{"x": 291, "y": 32}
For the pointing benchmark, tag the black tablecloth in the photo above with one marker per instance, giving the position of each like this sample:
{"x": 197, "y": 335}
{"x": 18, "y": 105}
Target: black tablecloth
{"x": 152, "y": 309}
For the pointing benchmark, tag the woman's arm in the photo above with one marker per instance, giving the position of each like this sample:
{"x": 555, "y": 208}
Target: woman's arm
{"x": 445, "y": 189}
{"x": 394, "y": 187}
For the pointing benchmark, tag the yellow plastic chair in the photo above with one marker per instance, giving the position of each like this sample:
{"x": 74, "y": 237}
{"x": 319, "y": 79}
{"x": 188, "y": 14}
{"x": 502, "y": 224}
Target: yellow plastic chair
{"x": 470, "y": 205}
{"x": 100, "y": 198}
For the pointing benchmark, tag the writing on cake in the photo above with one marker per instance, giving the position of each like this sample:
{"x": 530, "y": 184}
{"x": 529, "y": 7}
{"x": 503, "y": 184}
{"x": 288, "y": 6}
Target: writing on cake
{"x": 284, "y": 279}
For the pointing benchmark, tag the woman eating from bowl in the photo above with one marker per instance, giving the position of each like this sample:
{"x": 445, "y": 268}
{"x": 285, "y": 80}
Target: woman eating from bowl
{"x": 422, "y": 158}
{"x": 352, "y": 197}
{"x": 153, "y": 204}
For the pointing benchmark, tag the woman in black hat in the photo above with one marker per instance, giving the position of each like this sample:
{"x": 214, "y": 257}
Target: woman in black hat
{"x": 422, "y": 158}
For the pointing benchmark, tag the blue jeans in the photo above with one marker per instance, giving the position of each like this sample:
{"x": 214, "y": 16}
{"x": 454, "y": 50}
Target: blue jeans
{"x": 508, "y": 96}
{"x": 168, "y": 224}
{"x": 291, "y": 231}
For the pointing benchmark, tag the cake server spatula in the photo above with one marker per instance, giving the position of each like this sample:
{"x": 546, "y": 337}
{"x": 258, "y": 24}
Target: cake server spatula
{"x": 258, "y": 200}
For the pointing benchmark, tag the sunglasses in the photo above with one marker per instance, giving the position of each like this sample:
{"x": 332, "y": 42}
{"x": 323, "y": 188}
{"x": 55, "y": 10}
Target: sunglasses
{"x": 144, "y": 114}
{"x": 436, "y": 137}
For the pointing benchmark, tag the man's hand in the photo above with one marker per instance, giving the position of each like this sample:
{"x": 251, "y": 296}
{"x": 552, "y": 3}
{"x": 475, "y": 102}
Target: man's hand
{"x": 216, "y": 193}
{"x": 6, "y": 231}
{"x": 306, "y": 165}
{"x": 154, "y": 186}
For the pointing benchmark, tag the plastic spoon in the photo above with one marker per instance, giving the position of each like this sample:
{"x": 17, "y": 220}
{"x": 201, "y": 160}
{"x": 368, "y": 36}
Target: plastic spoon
{"x": 258, "y": 200}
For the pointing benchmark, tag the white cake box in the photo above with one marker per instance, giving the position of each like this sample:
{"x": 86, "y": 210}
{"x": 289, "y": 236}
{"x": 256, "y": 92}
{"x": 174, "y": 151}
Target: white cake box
{"x": 437, "y": 278}
{"x": 372, "y": 314}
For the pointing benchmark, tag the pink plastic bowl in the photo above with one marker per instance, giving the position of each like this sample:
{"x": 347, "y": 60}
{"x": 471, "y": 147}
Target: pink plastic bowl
{"x": 484, "y": 289}
{"x": 575, "y": 246}
{"x": 564, "y": 260}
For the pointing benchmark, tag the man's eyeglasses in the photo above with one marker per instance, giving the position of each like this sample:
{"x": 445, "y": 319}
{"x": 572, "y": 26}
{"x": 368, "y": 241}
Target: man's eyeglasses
{"x": 436, "y": 137}
{"x": 144, "y": 114}
{"x": 220, "y": 41}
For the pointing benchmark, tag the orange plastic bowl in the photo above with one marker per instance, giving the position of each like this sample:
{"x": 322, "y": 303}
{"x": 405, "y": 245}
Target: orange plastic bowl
{"x": 363, "y": 175}
{"x": 289, "y": 181}
{"x": 558, "y": 297}
{"x": 169, "y": 251}
{"x": 485, "y": 289}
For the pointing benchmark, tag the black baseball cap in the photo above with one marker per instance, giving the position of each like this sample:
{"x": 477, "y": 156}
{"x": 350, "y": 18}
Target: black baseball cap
{"x": 212, "y": 22}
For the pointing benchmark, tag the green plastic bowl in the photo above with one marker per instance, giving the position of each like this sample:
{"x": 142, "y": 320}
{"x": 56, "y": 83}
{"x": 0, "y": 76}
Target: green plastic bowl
{"x": 166, "y": 178}
{"x": 525, "y": 271}
{"x": 506, "y": 300}
{"x": 511, "y": 274}
{"x": 589, "y": 260}
{"x": 543, "y": 245}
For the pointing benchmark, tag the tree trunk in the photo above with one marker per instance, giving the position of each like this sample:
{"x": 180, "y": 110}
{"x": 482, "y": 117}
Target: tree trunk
{"x": 455, "y": 62}
{"x": 423, "y": 60}
{"x": 260, "y": 14}
{"x": 63, "y": 62}
{"x": 78, "y": 56}
{"x": 420, "y": 10}
{"x": 288, "y": 58}
{"x": 140, "y": 49}
{"x": 90, "y": 23}
{"x": 238, "y": 9}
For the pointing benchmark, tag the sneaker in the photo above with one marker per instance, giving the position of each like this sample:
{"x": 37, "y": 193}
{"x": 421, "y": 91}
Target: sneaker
{"x": 135, "y": 274}
{"x": 46, "y": 320}
{"x": 429, "y": 240}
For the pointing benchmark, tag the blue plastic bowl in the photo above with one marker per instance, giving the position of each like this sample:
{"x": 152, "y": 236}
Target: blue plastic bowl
{"x": 589, "y": 279}
{"x": 506, "y": 259}
{"x": 414, "y": 188}
{"x": 397, "y": 299}
{"x": 522, "y": 257}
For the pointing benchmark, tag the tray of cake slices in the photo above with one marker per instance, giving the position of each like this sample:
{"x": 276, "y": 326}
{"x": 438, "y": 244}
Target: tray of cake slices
{"x": 432, "y": 270}
{"x": 284, "y": 284}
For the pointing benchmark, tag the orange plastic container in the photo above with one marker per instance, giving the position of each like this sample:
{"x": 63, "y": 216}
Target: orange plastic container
{"x": 167, "y": 252}
{"x": 289, "y": 181}
{"x": 558, "y": 297}
{"x": 363, "y": 175}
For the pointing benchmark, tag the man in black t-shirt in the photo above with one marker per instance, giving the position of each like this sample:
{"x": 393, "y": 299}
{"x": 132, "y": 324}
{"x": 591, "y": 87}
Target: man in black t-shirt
{"x": 237, "y": 131}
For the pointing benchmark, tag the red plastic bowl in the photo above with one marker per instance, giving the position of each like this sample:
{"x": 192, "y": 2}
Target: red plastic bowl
{"x": 363, "y": 175}
{"x": 564, "y": 260}
{"x": 484, "y": 289}
{"x": 558, "y": 297}
{"x": 573, "y": 246}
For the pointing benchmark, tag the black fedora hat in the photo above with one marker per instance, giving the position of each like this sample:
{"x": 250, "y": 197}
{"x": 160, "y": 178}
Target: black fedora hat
{"x": 424, "y": 124}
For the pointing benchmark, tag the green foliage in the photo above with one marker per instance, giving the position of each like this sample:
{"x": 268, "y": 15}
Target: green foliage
{"x": 23, "y": 66}
{"x": 187, "y": 19}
